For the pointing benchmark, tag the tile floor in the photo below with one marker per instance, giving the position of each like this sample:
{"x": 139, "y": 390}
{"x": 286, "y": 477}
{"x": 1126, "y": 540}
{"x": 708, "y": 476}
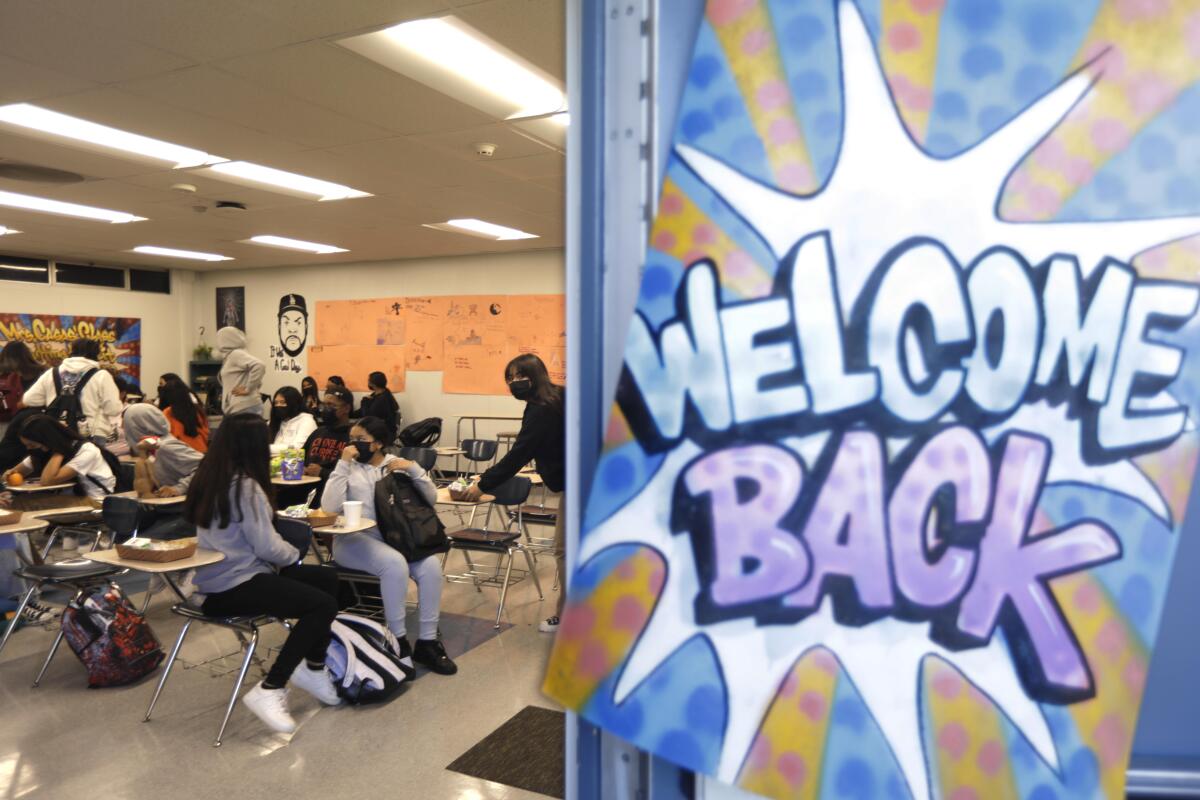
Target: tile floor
{"x": 65, "y": 741}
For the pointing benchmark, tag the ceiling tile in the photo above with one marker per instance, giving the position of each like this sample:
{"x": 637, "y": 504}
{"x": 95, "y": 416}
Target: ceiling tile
{"x": 338, "y": 79}
{"x": 21, "y": 82}
{"x": 534, "y": 29}
{"x": 315, "y": 19}
{"x": 509, "y": 143}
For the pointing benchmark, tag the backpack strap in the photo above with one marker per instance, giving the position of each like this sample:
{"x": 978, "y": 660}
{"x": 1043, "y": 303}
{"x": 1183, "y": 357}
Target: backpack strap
{"x": 57, "y": 381}
{"x": 87, "y": 376}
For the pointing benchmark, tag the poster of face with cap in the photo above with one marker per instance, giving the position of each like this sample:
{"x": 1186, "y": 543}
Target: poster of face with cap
{"x": 293, "y": 333}
{"x": 906, "y": 429}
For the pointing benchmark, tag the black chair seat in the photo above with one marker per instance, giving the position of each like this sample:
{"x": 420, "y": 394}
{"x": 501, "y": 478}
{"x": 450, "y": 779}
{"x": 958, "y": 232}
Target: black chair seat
{"x": 477, "y": 537}
{"x": 75, "y": 569}
{"x": 192, "y": 612}
{"x": 353, "y": 573}
{"x": 537, "y": 514}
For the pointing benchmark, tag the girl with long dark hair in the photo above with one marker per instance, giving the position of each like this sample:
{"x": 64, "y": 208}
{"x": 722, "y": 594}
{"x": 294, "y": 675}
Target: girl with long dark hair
{"x": 188, "y": 422}
{"x": 381, "y": 404}
{"x": 542, "y": 440}
{"x": 291, "y": 425}
{"x": 18, "y": 372}
{"x": 69, "y": 458}
{"x": 308, "y": 392}
{"x": 230, "y": 504}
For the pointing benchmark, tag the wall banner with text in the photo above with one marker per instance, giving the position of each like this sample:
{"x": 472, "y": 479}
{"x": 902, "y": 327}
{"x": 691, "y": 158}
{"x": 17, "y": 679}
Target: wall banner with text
{"x": 49, "y": 336}
{"x": 906, "y": 428}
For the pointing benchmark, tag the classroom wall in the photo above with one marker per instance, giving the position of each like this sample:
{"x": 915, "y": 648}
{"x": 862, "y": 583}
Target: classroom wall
{"x": 167, "y": 322}
{"x": 539, "y": 272}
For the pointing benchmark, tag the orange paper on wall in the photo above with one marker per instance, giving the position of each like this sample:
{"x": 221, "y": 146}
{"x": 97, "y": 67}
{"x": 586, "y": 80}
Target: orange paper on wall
{"x": 425, "y": 320}
{"x": 354, "y": 362}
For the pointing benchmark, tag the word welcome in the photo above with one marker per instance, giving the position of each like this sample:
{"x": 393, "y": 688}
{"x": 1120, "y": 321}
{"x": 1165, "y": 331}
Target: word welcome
{"x": 925, "y": 338}
{"x": 948, "y": 539}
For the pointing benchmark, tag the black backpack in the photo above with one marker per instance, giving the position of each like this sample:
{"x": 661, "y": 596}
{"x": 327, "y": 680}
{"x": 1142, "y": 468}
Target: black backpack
{"x": 422, "y": 434}
{"x": 66, "y": 406}
{"x": 406, "y": 520}
{"x": 124, "y": 480}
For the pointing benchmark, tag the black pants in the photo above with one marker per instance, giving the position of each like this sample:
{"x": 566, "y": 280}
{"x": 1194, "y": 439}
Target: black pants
{"x": 306, "y": 593}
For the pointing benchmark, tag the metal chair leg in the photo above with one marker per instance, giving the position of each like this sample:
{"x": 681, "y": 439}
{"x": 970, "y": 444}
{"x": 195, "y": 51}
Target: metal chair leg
{"x": 167, "y": 669}
{"x": 533, "y": 573}
{"x": 12, "y": 626}
{"x": 504, "y": 590}
{"x": 49, "y": 657}
{"x": 237, "y": 686}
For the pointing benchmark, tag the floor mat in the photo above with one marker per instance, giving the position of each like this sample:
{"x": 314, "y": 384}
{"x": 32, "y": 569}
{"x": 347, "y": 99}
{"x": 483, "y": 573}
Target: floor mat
{"x": 525, "y": 752}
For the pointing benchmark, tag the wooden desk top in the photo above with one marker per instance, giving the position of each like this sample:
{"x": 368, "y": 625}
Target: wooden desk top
{"x": 31, "y": 487}
{"x": 303, "y": 480}
{"x": 201, "y": 558}
{"x": 444, "y": 498}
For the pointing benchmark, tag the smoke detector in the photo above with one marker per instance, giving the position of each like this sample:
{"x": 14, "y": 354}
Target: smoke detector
{"x": 484, "y": 149}
{"x": 228, "y": 208}
{"x": 186, "y": 188}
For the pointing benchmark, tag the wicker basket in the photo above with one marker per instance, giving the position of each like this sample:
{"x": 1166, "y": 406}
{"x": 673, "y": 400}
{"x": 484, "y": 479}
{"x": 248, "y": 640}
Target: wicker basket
{"x": 176, "y": 550}
{"x": 319, "y": 519}
{"x": 10, "y": 517}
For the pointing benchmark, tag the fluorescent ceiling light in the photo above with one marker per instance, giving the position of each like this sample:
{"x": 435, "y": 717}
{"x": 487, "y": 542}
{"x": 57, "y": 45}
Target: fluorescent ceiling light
{"x": 448, "y": 55}
{"x": 485, "y": 230}
{"x": 150, "y": 250}
{"x": 45, "y": 205}
{"x": 256, "y": 173}
{"x": 7, "y": 231}
{"x": 563, "y": 119}
{"x": 46, "y": 121}
{"x": 297, "y": 244}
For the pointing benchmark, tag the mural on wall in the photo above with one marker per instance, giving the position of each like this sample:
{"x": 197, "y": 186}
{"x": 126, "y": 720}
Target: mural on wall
{"x": 231, "y": 307}
{"x": 904, "y": 437}
{"x": 293, "y": 334}
{"x": 49, "y": 336}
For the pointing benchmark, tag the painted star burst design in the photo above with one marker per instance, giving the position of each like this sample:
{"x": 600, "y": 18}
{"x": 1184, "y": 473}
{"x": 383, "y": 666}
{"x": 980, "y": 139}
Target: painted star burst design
{"x": 883, "y": 190}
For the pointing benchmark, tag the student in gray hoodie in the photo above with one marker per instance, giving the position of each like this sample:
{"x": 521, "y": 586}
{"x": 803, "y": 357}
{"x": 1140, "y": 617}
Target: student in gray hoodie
{"x": 168, "y": 475}
{"x": 230, "y": 505}
{"x": 241, "y": 375}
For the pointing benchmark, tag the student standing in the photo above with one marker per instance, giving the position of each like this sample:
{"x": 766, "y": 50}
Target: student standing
{"x": 362, "y": 465}
{"x": 312, "y": 399}
{"x": 291, "y": 425}
{"x": 381, "y": 404}
{"x": 542, "y": 440}
{"x": 99, "y": 400}
{"x": 185, "y": 416}
{"x": 241, "y": 375}
{"x": 230, "y": 505}
{"x": 324, "y": 447}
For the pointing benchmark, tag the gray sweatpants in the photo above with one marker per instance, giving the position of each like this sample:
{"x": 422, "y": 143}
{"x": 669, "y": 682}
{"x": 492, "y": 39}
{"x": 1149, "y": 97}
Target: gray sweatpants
{"x": 368, "y": 552}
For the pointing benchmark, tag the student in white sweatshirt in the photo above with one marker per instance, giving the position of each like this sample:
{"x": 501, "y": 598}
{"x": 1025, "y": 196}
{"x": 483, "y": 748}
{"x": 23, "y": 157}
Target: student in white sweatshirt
{"x": 241, "y": 375}
{"x": 362, "y": 465}
{"x": 291, "y": 425}
{"x": 99, "y": 402}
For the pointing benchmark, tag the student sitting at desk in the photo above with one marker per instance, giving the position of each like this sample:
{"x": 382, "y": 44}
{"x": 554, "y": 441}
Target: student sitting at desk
{"x": 291, "y": 425}
{"x": 381, "y": 404}
{"x": 230, "y": 505}
{"x": 185, "y": 415}
{"x": 312, "y": 398}
{"x": 362, "y": 465}
{"x": 169, "y": 475}
{"x": 324, "y": 447}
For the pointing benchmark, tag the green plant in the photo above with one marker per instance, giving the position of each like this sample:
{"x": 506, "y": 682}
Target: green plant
{"x": 202, "y": 352}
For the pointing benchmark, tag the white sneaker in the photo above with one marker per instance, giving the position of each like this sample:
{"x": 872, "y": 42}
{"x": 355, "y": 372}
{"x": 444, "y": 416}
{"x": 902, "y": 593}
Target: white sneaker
{"x": 70, "y": 542}
{"x": 271, "y": 706}
{"x": 186, "y": 586}
{"x": 548, "y": 625}
{"x": 318, "y": 683}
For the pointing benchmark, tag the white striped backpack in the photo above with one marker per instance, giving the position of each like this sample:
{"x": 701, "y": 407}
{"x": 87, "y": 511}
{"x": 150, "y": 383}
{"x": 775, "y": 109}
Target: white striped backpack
{"x": 364, "y": 659}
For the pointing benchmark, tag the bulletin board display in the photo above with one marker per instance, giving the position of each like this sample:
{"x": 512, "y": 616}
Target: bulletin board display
{"x": 468, "y": 338}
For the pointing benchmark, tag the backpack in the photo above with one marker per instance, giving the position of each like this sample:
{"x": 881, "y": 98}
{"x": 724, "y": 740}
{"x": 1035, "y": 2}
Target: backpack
{"x": 11, "y": 392}
{"x": 111, "y": 638}
{"x": 66, "y": 406}
{"x": 406, "y": 520}
{"x": 364, "y": 660}
{"x": 422, "y": 434}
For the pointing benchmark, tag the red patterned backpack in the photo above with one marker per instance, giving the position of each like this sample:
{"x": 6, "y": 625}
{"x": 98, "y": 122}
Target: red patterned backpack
{"x": 111, "y": 638}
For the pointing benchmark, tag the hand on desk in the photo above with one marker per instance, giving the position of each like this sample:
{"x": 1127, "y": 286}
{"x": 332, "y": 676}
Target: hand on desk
{"x": 167, "y": 491}
{"x": 472, "y": 493}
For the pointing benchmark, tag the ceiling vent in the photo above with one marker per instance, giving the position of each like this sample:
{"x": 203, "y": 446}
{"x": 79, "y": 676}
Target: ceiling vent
{"x": 228, "y": 208}
{"x": 32, "y": 173}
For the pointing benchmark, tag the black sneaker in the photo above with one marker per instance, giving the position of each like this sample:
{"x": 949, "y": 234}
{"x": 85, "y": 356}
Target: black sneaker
{"x": 406, "y": 658}
{"x": 431, "y": 653}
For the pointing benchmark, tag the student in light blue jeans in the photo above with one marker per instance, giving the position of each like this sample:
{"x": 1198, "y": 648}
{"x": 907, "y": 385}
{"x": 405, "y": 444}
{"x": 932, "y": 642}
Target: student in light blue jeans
{"x": 362, "y": 465}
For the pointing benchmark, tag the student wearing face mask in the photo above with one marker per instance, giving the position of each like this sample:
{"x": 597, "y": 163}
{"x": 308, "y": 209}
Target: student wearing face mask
{"x": 381, "y": 404}
{"x": 362, "y": 465}
{"x": 324, "y": 447}
{"x": 542, "y": 440}
{"x": 312, "y": 400}
{"x": 291, "y": 425}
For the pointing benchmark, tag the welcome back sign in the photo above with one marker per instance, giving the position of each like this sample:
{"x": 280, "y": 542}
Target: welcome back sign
{"x": 906, "y": 427}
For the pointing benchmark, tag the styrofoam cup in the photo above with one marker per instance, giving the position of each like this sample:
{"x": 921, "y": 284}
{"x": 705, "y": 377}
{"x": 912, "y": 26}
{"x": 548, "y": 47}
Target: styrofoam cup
{"x": 352, "y": 511}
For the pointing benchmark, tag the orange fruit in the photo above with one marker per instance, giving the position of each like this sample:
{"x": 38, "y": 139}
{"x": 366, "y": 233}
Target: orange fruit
{"x": 15, "y": 479}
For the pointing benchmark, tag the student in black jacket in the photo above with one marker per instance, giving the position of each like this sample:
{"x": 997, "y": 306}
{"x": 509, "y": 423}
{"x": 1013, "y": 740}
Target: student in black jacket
{"x": 542, "y": 440}
{"x": 325, "y": 444}
{"x": 381, "y": 404}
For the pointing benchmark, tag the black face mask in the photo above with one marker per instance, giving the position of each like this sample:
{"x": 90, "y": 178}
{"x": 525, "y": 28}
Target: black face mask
{"x": 521, "y": 389}
{"x": 328, "y": 416}
{"x": 278, "y": 413}
{"x": 364, "y": 451}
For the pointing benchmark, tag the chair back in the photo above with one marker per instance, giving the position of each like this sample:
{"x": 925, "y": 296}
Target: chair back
{"x": 425, "y": 456}
{"x": 296, "y": 532}
{"x": 479, "y": 449}
{"x": 127, "y": 473}
{"x": 513, "y": 492}
{"x": 120, "y": 515}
